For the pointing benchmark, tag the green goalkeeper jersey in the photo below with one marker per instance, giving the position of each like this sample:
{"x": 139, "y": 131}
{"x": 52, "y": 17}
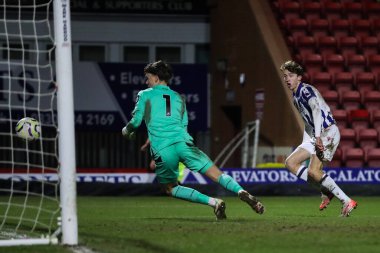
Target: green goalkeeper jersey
{"x": 165, "y": 115}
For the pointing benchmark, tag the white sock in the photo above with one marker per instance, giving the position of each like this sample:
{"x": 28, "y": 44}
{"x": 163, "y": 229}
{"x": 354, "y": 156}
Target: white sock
{"x": 302, "y": 173}
{"x": 329, "y": 183}
{"x": 212, "y": 202}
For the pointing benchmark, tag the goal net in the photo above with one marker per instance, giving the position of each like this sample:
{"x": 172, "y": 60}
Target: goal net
{"x": 30, "y": 208}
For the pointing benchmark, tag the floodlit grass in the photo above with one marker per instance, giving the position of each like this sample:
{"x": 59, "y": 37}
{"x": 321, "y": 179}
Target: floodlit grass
{"x": 166, "y": 225}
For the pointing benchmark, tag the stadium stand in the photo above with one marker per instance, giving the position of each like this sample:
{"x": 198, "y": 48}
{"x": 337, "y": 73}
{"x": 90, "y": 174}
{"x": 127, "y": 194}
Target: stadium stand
{"x": 313, "y": 63}
{"x": 337, "y": 159}
{"x": 334, "y": 63}
{"x": 306, "y": 45}
{"x": 343, "y": 81}
{"x": 338, "y": 44}
{"x": 361, "y": 27}
{"x": 331, "y": 98}
{"x": 350, "y": 100}
{"x": 359, "y": 119}
{"x": 354, "y": 158}
{"x": 340, "y": 28}
{"x": 352, "y": 10}
{"x": 367, "y": 138}
{"x": 290, "y": 10}
{"x": 322, "y": 81}
{"x": 347, "y": 45}
{"x": 372, "y": 10}
{"x": 327, "y": 45}
{"x": 347, "y": 139}
{"x": 356, "y": 63}
{"x": 319, "y": 28}
{"x": 371, "y": 100}
{"x": 364, "y": 81}
{"x": 332, "y": 10}
{"x": 372, "y": 158}
{"x": 311, "y": 10}
{"x": 375, "y": 119}
{"x": 369, "y": 45}
{"x": 340, "y": 115}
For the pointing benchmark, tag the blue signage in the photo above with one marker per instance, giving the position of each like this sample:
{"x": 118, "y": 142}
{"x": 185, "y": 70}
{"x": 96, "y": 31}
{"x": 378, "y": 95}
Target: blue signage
{"x": 190, "y": 80}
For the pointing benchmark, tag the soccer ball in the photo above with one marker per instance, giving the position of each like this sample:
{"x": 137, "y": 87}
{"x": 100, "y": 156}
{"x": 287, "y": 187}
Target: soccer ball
{"x": 28, "y": 129}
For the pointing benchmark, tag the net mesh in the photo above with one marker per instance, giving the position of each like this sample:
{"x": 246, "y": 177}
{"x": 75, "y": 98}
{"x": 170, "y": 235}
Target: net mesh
{"x": 29, "y": 203}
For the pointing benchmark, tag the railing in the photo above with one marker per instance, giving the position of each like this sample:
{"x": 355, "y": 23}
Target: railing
{"x": 242, "y": 137}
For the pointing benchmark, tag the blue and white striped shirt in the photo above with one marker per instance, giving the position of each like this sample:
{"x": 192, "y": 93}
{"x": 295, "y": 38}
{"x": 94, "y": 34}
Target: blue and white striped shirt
{"x": 303, "y": 99}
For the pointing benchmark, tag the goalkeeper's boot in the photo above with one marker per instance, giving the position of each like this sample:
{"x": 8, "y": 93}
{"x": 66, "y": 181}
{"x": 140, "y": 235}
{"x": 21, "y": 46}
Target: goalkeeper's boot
{"x": 252, "y": 201}
{"x": 326, "y": 199}
{"x": 348, "y": 207}
{"x": 220, "y": 210}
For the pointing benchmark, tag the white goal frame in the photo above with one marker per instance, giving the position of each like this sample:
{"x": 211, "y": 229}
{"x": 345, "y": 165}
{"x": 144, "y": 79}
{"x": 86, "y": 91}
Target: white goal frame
{"x": 65, "y": 108}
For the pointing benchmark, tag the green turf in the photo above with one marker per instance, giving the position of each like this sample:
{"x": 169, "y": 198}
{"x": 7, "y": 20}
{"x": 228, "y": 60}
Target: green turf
{"x": 165, "y": 225}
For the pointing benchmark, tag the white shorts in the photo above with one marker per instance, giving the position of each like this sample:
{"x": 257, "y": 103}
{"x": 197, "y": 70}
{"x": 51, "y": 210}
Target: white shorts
{"x": 330, "y": 139}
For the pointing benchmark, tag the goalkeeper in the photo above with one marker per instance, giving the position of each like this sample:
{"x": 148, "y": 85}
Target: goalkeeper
{"x": 165, "y": 115}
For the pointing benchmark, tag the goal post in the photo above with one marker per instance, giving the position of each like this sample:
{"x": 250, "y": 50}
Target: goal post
{"x": 37, "y": 179}
{"x": 65, "y": 106}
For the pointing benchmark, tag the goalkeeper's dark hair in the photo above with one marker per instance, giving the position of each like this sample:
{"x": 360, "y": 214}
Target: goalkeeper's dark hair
{"x": 160, "y": 69}
{"x": 293, "y": 67}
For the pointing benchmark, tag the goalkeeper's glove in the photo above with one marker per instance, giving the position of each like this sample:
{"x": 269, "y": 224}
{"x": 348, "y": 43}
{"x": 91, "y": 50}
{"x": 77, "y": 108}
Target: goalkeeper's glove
{"x": 127, "y": 134}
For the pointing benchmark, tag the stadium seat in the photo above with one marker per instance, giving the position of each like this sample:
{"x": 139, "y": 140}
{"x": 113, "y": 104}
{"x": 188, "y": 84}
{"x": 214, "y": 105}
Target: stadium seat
{"x": 361, "y": 27}
{"x": 350, "y": 100}
{"x": 340, "y": 116}
{"x": 334, "y": 63}
{"x": 352, "y": 10}
{"x": 375, "y": 119}
{"x": 347, "y": 45}
{"x": 332, "y": 10}
{"x": 343, "y": 81}
{"x": 354, "y": 158}
{"x": 369, "y": 45}
{"x": 372, "y": 10}
{"x": 347, "y": 139}
{"x": 376, "y": 27}
{"x": 332, "y": 99}
{"x": 313, "y": 63}
{"x": 364, "y": 81}
{"x": 322, "y": 81}
{"x": 372, "y": 158}
{"x": 340, "y": 28}
{"x": 371, "y": 100}
{"x": 306, "y": 78}
{"x": 319, "y": 27}
{"x": 306, "y": 45}
{"x": 311, "y": 10}
{"x": 356, "y": 63}
{"x": 374, "y": 62}
{"x": 336, "y": 162}
{"x": 367, "y": 138}
{"x": 297, "y": 27}
{"x": 290, "y": 10}
{"x": 327, "y": 45}
{"x": 359, "y": 119}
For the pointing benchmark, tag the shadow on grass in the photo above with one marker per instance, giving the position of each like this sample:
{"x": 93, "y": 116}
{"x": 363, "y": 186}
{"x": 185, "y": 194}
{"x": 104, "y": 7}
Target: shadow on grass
{"x": 136, "y": 243}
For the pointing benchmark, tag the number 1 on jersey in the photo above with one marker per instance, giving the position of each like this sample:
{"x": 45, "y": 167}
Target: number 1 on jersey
{"x": 168, "y": 110}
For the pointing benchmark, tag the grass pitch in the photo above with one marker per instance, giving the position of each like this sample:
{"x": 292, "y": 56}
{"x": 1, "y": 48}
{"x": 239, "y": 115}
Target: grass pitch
{"x": 167, "y": 225}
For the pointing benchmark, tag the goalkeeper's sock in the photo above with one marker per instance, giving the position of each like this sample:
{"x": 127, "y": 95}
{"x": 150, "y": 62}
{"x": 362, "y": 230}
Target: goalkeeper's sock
{"x": 229, "y": 183}
{"x": 302, "y": 173}
{"x": 330, "y": 184}
{"x": 192, "y": 195}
